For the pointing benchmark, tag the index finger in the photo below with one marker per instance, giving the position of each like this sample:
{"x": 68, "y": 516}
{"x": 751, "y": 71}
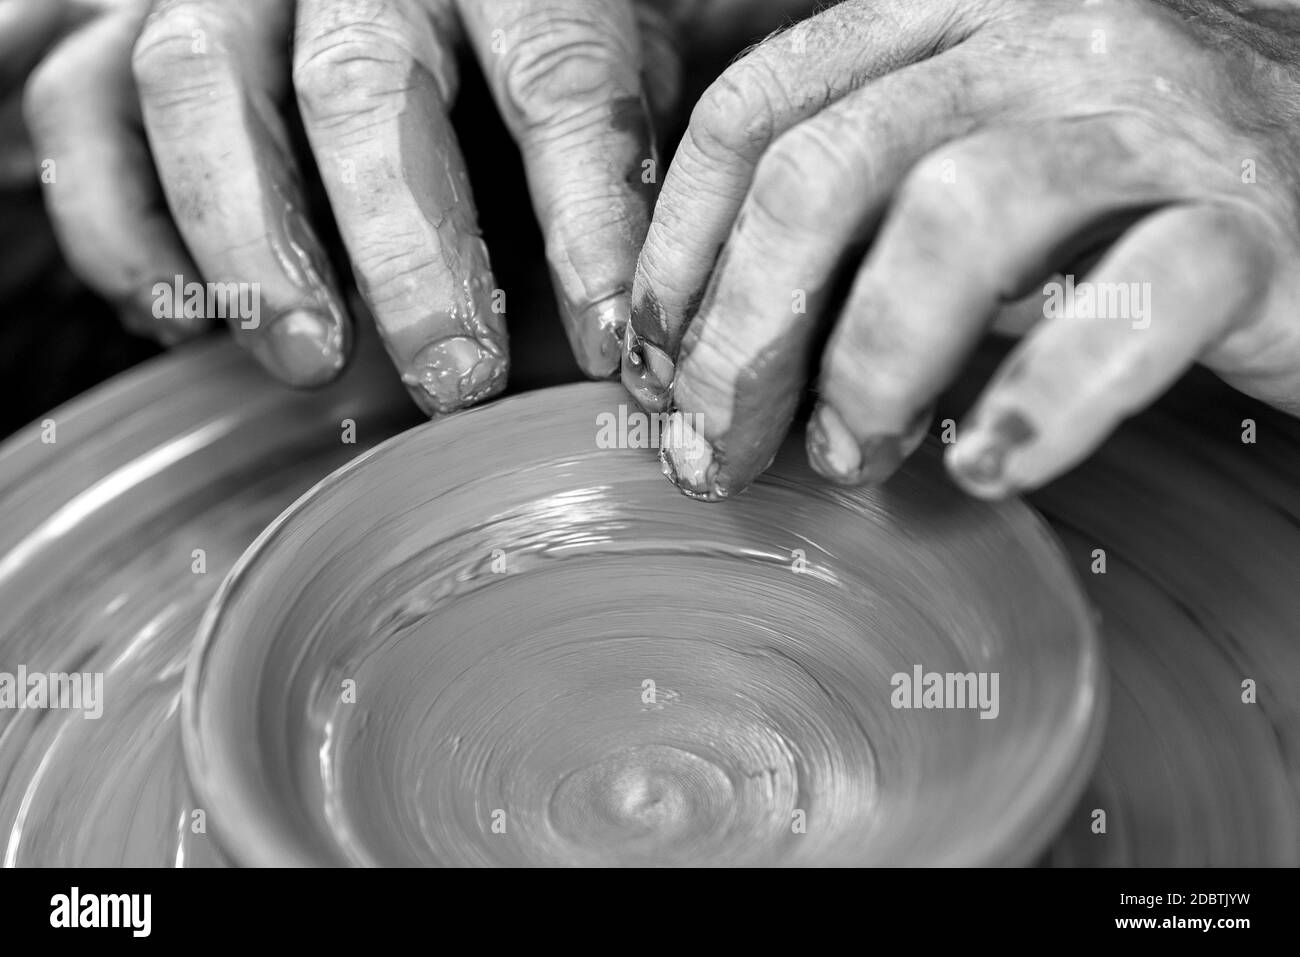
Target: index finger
{"x": 566, "y": 75}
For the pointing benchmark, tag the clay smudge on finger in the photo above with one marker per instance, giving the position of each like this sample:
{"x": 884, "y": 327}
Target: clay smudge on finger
{"x": 759, "y": 360}
{"x": 274, "y": 264}
{"x": 688, "y": 460}
{"x": 630, "y": 116}
{"x": 595, "y": 330}
{"x": 647, "y": 372}
{"x": 648, "y": 318}
{"x": 594, "y": 294}
{"x": 470, "y": 361}
{"x": 308, "y": 343}
{"x": 311, "y": 345}
{"x": 765, "y": 396}
{"x": 979, "y": 460}
{"x": 456, "y": 372}
{"x": 646, "y": 375}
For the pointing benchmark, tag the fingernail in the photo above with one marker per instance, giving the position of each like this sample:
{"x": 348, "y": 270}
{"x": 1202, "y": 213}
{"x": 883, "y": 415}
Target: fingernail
{"x": 836, "y": 454}
{"x": 917, "y": 430}
{"x": 596, "y": 333}
{"x": 978, "y": 462}
{"x": 303, "y": 348}
{"x": 689, "y": 461}
{"x": 647, "y": 372}
{"x": 455, "y": 372}
{"x": 833, "y": 451}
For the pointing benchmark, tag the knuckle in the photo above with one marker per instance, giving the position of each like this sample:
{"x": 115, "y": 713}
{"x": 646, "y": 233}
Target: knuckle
{"x": 559, "y": 71}
{"x": 1128, "y": 137}
{"x": 935, "y": 198}
{"x": 919, "y": 186}
{"x": 586, "y": 219}
{"x": 946, "y": 207}
{"x": 174, "y": 50}
{"x": 799, "y": 182}
{"x": 1247, "y": 243}
{"x": 1231, "y": 225}
{"x": 1137, "y": 31}
{"x": 397, "y": 272}
{"x": 348, "y": 72}
{"x": 736, "y": 115}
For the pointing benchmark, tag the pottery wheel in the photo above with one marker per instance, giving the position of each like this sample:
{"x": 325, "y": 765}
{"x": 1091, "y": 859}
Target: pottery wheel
{"x": 114, "y": 537}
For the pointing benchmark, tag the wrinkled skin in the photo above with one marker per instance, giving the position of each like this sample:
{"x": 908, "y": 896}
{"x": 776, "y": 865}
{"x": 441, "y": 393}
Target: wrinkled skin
{"x": 975, "y": 149}
{"x": 172, "y": 130}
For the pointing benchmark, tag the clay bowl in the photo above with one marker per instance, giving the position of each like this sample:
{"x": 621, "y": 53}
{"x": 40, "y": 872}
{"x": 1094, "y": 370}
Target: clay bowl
{"x": 491, "y": 641}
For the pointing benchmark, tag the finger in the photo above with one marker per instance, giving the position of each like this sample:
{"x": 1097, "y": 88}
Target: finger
{"x": 1170, "y": 287}
{"x": 974, "y": 226}
{"x": 98, "y": 180}
{"x": 27, "y": 30}
{"x": 213, "y": 78}
{"x": 375, "y": 81}
{"x": 781, "y": 82}
{"x": 816, "y": 191}
{"x": 566, "y": 75}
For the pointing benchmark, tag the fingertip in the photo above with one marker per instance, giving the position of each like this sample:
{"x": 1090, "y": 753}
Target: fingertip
{"x": 833, "y": 451}
{"x": 596, "y": 333}
{"x": 983, "y": 461}
{"x": 154, "y": 316}
{"x": 647, "y": 372}
{"x": 304, "y": 348}
{"x": 456, "y": 372}
{"x": 839, "y": 455}
{"x": 689, "y": 460}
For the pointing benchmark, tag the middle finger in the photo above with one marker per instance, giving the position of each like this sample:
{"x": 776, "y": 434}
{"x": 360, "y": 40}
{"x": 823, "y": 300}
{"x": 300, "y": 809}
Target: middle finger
{"x": 212, "y": 77}
{"x": 375, "y": 80}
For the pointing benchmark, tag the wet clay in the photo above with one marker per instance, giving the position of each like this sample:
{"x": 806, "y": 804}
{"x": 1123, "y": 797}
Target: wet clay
{"x": 540, "y": 653}
{"x": 113, "y": 537}
{"x": 97, "y": 539}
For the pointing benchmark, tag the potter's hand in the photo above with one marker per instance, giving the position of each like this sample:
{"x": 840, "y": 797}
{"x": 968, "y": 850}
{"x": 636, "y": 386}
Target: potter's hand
{"x": 215, "y": 84}
{"x": 980, "y": 147}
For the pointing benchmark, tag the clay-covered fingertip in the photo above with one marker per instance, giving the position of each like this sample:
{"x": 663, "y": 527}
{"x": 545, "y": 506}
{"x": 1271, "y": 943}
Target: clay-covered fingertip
{"x": 596, "y": 334}
{"x": 978, "y": 477}
{"x": 689, "y": 460}
{"x": 456, "y": 372}
{"x": 978, "y": 463}
{"x": 647, "y": 372}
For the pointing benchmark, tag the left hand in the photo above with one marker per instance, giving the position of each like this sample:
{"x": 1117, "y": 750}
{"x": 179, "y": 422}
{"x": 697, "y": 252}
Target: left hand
{"x": 981, "y": 146}
{"x": 187, "y": 136}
